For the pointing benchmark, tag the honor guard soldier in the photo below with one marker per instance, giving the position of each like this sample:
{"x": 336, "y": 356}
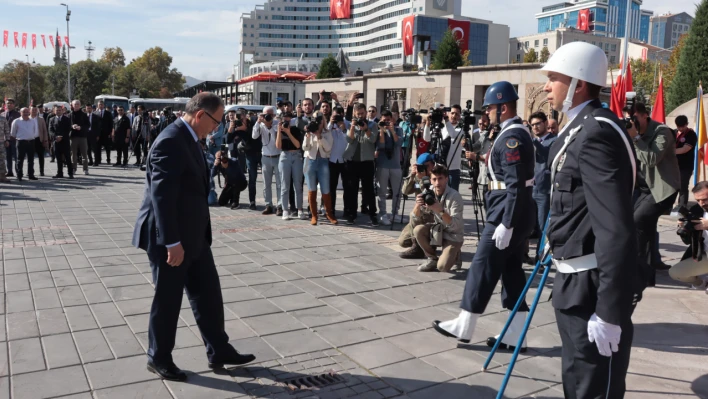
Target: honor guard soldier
{"x": 511, "y": 217}
{"x": 591, "y": 232}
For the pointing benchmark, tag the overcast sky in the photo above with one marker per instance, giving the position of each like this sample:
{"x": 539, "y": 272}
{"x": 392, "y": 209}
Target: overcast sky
{"x": 201, "y": 36}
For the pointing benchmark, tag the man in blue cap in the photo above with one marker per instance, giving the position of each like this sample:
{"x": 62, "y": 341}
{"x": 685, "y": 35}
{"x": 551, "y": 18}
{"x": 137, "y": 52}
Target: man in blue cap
{"x": 511, "y": 217}
{"x": 412, "y": 186}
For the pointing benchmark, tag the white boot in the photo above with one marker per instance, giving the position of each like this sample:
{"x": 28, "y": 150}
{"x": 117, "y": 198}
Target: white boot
{"x": 461, "y": 328}
{"x": 511, "y": 338}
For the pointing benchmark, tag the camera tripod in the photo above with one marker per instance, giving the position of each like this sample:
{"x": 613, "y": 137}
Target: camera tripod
{"x": 477, "y": 198}
{"x": 406, "y": 166}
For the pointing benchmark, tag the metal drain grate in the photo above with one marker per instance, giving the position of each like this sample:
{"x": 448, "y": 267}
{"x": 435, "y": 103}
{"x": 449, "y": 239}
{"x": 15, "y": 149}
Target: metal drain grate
{"x": 313, "y": 382}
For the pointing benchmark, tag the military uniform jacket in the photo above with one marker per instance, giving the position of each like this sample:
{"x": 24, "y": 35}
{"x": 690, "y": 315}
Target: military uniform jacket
{"x": 592, "y": 212}
{"x": 511, "y": 158}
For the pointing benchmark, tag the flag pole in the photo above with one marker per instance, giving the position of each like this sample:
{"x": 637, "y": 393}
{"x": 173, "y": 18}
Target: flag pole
{"x": 699, "y": 98}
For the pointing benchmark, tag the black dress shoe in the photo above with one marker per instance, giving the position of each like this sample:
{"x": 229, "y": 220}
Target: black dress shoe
{"x": 58, "y": 177}
{"x": 491, "y": 341}
{"x": 436, "y": 326}
{"x": 169, "y": 372}
{"x": 661, "y": 266}
{"x": 235, "y": 360}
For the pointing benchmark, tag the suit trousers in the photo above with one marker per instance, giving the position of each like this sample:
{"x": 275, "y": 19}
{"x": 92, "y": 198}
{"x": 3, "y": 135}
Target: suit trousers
{"x": 488, "y": 265}
{"x": 198, "y": 276}
{"x": 683, "y": 190}
{"x": 10, "y": 155}
{"x": 335, "y": 171}
{"x": 359, "y": 171}
{"x": 79, "y": 144}
{"x": 252, "y": 161}
{"x": 229, "y": 193}
{"x": 138, "y": 145}
{"x": 91, "y": 146}
{"x": 121, "y": 148}
{"x": 62, "y": 151}
{"x": 646, "y": 217}
{"x": 586, "y": 373}
{"x": 40, "y": 152}
{"x": 25, "y": 148}
{"x": 105, "y": 143}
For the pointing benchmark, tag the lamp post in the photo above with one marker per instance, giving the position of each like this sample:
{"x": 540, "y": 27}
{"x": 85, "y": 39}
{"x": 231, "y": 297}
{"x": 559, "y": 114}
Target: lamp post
{"x": 29, "y": 96}
{"x": 68, "y": 54}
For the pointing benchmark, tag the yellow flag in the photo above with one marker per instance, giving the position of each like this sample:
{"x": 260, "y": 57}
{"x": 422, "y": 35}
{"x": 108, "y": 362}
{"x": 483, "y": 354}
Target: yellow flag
{"x": 702, "y": 137}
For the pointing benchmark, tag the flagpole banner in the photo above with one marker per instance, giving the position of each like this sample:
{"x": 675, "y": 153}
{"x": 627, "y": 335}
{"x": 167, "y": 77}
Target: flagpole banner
{"x": 17, "y": 42}
{"x": 340, "y": 9}
{"x": 24, "y": 40}
{"x": 702, "y": 134}
{"x": 407, "y": 34}
{"x": 51, "y": 40}
{"x": 44, "y": 41}
{"x": 59, "y": 41}
{"x": 66, "y": 41}
{"x": 583, "y": 20}
{"x": 34, "y": 40}
{"x": 658, "y": 112}
{"x": 4, "y": 38}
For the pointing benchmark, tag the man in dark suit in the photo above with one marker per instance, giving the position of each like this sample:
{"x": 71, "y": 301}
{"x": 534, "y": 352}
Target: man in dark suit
{"x": 174, "y": 227}
{"x": 121, "y": 136}
{"x": 93, "y": 134}
{"x": 104, "y": 135}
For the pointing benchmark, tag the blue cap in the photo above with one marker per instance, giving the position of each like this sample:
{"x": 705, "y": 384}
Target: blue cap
{"x": 423, "y": 158}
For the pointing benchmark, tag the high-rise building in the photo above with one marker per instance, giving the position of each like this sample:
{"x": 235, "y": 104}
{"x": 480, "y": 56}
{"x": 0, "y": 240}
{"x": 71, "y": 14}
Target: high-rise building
{"x": 606, "y": 18}
{"x": 666, "y": 29}
{"x": 370, "y": 33}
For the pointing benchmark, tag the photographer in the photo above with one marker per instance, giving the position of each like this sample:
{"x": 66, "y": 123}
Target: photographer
{"x": 289, "y": 141}
{"x": 479, "y": 153}
{"x": 359, "y": 156}
{"x": 235, "y": 181}
{"x": 656, "y": 152}
{"x": 445, "y": 205}
{"x": 318, "y": 147}
{"x": 140, "y": 133}
{"x": 251, "y": 150}
{"x": 215, "y": 139}
{"x": 413, "y": 184}
{"x": 337, "y": 127}
{"x": 694, "y": 263}
{"x": 451, "y": 134}
{"x": 236, "y": 132}
{"x": 388, "y": 164}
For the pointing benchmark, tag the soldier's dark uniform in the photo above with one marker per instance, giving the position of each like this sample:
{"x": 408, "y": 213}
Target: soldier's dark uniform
{"x": 591, "y": 218}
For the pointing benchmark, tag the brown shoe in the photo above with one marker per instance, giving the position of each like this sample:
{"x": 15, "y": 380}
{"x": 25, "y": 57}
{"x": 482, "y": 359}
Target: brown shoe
{"x": 327, "y": 200}
{"x": 414, "y": 252}
{"x": 312, "y": 200}
{"x": 268, "y": 210}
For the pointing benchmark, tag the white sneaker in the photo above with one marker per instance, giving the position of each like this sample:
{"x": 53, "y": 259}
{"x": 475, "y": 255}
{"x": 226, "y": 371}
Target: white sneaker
{"x": 302, "y": 215}
{"x": 286, "y": 215}
{"x": 385, "y": 220}
{"x": 86, "y": 172}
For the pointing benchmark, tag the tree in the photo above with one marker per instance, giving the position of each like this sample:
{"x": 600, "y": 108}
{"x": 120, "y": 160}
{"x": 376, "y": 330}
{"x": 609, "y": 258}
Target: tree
{"x": 14, "y": 82}
{"x": 64, "y": 58}
{"x": 329, "y": 68}
{"x": 113, "y": 57}
{"x": 89, "y": 77}
{"x": 531, "y": 56}
{"x": 693, "y": 61}
{"x": 643, "y": 74}
{"x": 159, "y": 61}
{"x": 545, "y": 54}
{"x": 147, "y": 83}
{"x": 669, "y": 70}
{"x": 448, "y": 55}
{"x": 466, "y": 61}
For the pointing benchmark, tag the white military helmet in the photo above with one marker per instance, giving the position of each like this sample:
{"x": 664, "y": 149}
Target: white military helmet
{"x": 579, "y": 61}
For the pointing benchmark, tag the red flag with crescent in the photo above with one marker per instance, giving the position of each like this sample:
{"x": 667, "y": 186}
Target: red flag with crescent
{"x": 66, "y": 41}
{"x": 34, "y": 40}
{"x": 407, "y": 34}
{"x": 59, "y": 41}
{"x": 584, "y": 20}
{"x": 340, "y": 9}
{"x": 51, "y": 40}
{"x": 17, "y": 42}
{"x": 461, "y": 32}
{"x": 4, "y": 38}
{"x": 44, "y": 41}
{"x": 24, "y": 40}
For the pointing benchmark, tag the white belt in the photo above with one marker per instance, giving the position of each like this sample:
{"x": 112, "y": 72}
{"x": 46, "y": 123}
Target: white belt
{"x": 575, "y": 265}
{"x": 500, "y": 185}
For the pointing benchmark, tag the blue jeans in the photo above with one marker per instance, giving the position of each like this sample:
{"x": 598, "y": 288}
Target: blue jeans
{"x": 252, "y": 161}
{"x": 270, "y": 170}
{"x": 454, "y": 179}
{"x": 318, "y": 172}
{"x": 543, "y": 205}
{"x": 290, "y": 169}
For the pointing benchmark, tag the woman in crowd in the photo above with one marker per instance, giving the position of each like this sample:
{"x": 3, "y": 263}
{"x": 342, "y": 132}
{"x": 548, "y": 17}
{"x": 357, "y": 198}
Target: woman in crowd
{"x": 318, "y": 146}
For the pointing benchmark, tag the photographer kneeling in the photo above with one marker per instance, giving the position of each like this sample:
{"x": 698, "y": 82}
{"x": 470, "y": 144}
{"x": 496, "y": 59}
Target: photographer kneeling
{"x": 694, "y": 263}
{"x": 235, "y": 181}
{"x": 412, "y": 185}
{"x": 446, "y": 206}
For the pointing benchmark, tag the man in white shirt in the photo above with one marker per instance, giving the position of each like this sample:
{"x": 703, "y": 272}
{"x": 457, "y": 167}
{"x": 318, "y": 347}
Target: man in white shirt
{"x": 266, "y": 128}
{"x": 450, "y": 143}
{"x": 24, "y": 131}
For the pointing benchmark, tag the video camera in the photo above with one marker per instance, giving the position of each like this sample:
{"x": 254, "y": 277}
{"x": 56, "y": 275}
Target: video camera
{"x": 438, "y": 114}
{"x": 409, "y": 115}
{"x": 631, "y": 97}
{"x": 687, "y": 230}
{"x": 427, "y": 191}
{"x": 469, "y": 118}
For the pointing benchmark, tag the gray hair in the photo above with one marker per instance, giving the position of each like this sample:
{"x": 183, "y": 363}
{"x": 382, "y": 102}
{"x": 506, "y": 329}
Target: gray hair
{"x": 76, "y": 102}
{"x": 208, "y": 102}
{"x": 269, "y": 109}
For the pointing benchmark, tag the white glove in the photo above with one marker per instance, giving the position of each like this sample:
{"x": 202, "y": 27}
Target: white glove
{"x": 502, "y": 236}
{"x": 605, "y": 335}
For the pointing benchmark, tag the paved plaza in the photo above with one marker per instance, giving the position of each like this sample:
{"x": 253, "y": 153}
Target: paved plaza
{"x": 330, "y": 305}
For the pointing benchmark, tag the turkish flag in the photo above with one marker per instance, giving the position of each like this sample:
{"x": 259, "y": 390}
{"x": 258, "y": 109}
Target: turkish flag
{"x": 658, "y": 112}
{"x": 44, "y": 41}
{"x": 407, "y": 34}
{"x": 461, "y": 32}
{"x": 17, "y": 43}
{"x": 51, "y": 40}
{"x": 340, "y": 9}
{"x": 59, "y": 41}
{"x": 628, "y": 79}
{"x": 34, "y": 41}
{"x": 24, "y": 40}
{"x": 4, "y": 38}
{"x": 66, "y": 41}
{"x": 584, "y": 20}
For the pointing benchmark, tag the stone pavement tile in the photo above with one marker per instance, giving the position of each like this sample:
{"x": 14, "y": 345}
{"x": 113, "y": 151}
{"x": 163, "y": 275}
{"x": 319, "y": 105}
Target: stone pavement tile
{"x": 120, "y": 270}
{"x": 330, "y": 286}
{"x": 450, "y": 390}
{"x": 92, "y": 346}
{"x": 139, "y": 323}
{"x": 122, "y": 341}
{"x": 557, "y": 393}
{"x": 132, "y": 292}
{"x": 37, "y": 265}
{"x": 71, "y": 295}
{"x": 235, "y": 329}
{"x": 296, "y": 342}
{"x": 389, "y": 325}
{"x": 4, "y": 364}
{"x": 52, "y": 321}
{"x": 80, "y": 318}
{"x": 366, "y": 280}
{"x": 134, "y": 306}
{"x": 64, "y": 277}
{"x": 347, "y": 333}
{"x": 46, "y": 298}
{"x": 386, "y": 302}
{"x": 366, "y": 304}
{"x": 423, "y": 343}
{"x": 425, "y": 316}
{"x": 16, "y": 282}
{"x": 58, "y": 263}
{"x": 320, "y": 316}
{"x": 273, "y": 323}
{"x": 239, "y": 294}
{"x": 56, "y": 382}
{"x": 406, "y": 295}
{"x": 95, "y": 293}
{"x": 41, "y": 280}
{"x": 78, "y": 262}
{"x": 185, "y": 338}
{"x": 346, "y": 307}
{"x": 242, "y": 268}
{"x": 486, "y": 385}
{"x": 26, "y": 356}
{"x": 230, "y": 281}
{"x": 122, "y": 281}
{"x": 22, "y": 325}
{"x": 13, "y": 266}
{"x": 107, "y": 315}
{"x": 20, "y": 301}
{"x": 544, "y": 338}
{"x": 347, "y": 284}
{"x": 411, "y": 375}
{"x": 545, "y": 370}
{"x": 118, "y": 372}
{"x": 255, "y": 307}
{"x": 140, "y": 390}
{"x": 69, "y": 249}
{"x": 284, "y": 273}
{"x": 272, "y": 290}
{"x": 375, "y": 353}
{"x": 60, "y": 351}
{"x": 303, "y": 270}
{"x": 256, "y": 346}
{"x": 457, "y": 362}
{"x": 312, "y": 288}
{"x": 207, "y": 386}
{"x": 3, "y": 336}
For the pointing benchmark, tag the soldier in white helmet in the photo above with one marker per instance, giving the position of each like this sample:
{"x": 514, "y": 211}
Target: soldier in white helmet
{"x": 591, "y": 233}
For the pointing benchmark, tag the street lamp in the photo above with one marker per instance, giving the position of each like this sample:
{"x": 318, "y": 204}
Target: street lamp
{"x": 68, "y": 54}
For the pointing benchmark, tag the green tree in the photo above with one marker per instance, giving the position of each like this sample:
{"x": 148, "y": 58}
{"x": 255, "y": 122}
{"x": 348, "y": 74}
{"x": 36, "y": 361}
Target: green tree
{"x": 147, "y": 83}
{"x": 89, "y": 79}
{"x": 643, "y": 73}
{"x": 55, "y": 88}
{"x": 466, "y": 61}
{"x": 448, "y": 55}
{"x": 14, "y": 82}
{"x": 159, "y": 61}
{"x": 669, "y": 70}
{"x": 693, "y": 61}
{"x": 64, "y": 58}
{"x": 531, "y": 56}
{"x": 113, "y": 57}
{"x": 545, "y": 54}
{"x": 329, "y": 68}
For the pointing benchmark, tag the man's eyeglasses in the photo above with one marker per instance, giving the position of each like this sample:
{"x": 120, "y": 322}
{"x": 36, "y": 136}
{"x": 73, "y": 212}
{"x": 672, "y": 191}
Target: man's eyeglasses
{"x": 212, "y": 118}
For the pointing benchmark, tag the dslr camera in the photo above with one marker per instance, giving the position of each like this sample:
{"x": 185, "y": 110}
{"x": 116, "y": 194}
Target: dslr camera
{"x": 629, "y": 109}
{"x": 687, "y": 231}
{"x": 267, "y": 117}
{"x": 361, "y": 122}
{"x": 285, "y": 124}
{"x": 338, "y": 118}
{"x": 427, "y": 191}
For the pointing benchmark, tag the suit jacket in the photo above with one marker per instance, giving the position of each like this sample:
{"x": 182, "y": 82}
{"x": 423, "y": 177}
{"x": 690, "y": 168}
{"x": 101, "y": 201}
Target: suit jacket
{"x": 656, "y": 151}
{"x": 542, "y": 175}
{"x": 592, "y": 213}
{"x": 60, "y": 127}
{"x": 106, "y": 122}
{"x": 174, "y": 207}
{"x": 42, "y": 129}
{"x": 95, "y": 124}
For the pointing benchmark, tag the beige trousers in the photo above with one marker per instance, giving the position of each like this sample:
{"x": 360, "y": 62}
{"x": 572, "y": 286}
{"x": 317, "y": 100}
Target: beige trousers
{"x": 688, "y": 270}
{"x": 450, "y": 250}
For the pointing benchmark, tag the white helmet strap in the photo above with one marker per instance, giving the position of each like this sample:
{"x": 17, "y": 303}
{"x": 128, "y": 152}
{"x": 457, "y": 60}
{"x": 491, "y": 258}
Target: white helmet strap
{"x": 569, "y": 97}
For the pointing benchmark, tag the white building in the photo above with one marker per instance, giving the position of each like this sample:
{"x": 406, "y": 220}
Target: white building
{"x": 519, "y": 46}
